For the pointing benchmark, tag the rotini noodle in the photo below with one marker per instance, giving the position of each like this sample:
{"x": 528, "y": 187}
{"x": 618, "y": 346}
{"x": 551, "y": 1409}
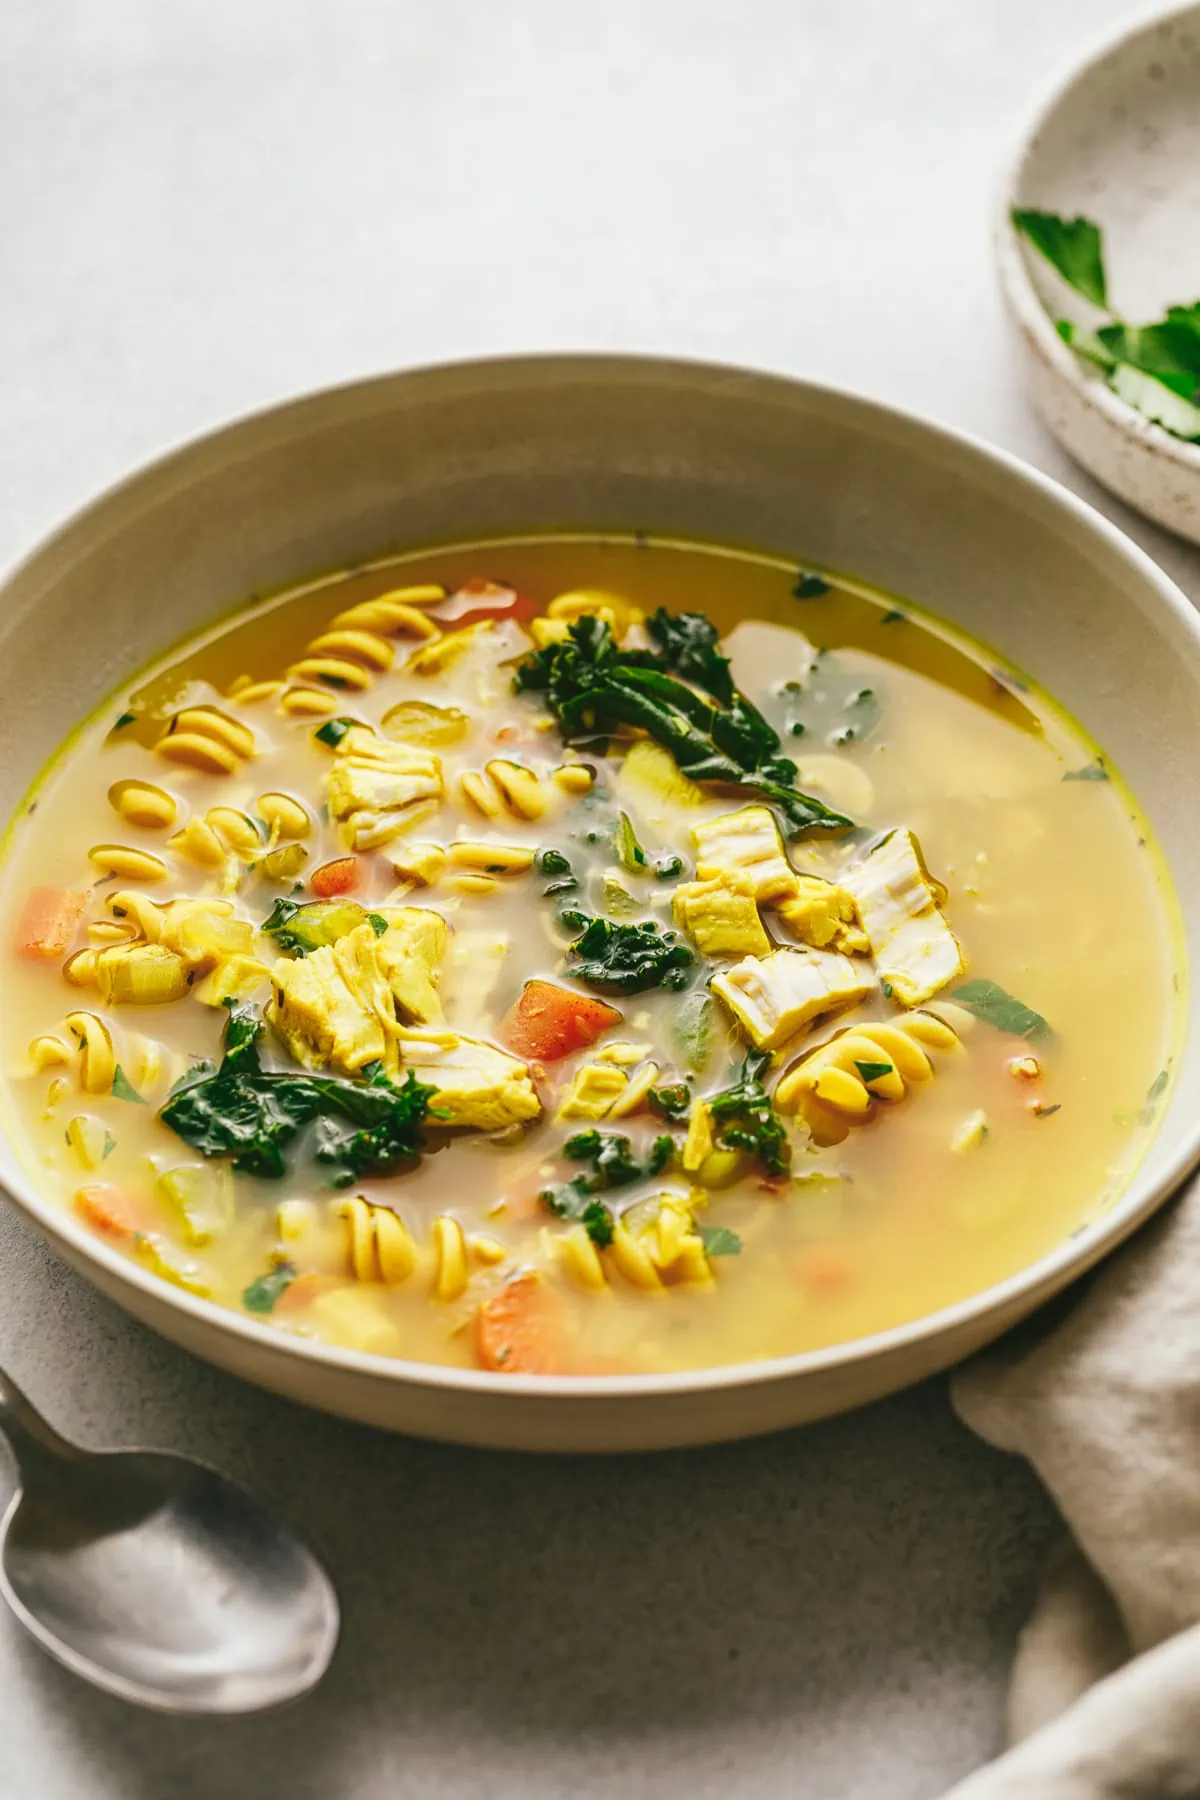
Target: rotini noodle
{"x": 838, "y": 1084}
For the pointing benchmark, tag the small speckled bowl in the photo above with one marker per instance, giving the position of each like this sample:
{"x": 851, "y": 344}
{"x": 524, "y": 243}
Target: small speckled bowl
{"x": 1118, "y": 140}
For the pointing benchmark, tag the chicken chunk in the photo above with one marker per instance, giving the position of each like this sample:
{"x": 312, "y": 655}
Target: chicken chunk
{"x": 595, "y": 1088}
{"x": 745, "y": 842}
{"x": 378, "y": 788}
{"x": 825, "y": 915}
{"x": 476, "y": 1084}
{"x": 720, "y": 915}
{"x": 915, "y": 950}
{"x": 320, "y": 1016}
{"x": 410, "y": 953}
{"x": 775, "y": 997}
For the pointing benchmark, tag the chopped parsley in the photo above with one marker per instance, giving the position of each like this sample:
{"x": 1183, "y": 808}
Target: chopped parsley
{"x": 873, "y": 1071}
{"x": 1153, "y": 368}
{"x": 718, "y": 1240}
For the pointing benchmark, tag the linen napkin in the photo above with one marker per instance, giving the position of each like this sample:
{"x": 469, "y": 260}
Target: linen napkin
{"x": 1103, "y": 1397}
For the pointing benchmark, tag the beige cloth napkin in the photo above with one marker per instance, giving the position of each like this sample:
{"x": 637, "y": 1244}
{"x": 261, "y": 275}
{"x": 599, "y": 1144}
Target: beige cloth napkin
{"x": 1103, "y": 1397}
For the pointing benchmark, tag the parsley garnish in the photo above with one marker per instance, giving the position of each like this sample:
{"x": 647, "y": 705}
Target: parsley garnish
{"x": 718, "y": 1240}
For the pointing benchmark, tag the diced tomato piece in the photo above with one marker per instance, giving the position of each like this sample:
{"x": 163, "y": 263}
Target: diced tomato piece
{"x": 518, "y": 1331}
{"x": 106, "y": 1210}
{"x": 50, "y": 920}
{"x": 550, "y": 1022}
{"x": 333, "y": 878}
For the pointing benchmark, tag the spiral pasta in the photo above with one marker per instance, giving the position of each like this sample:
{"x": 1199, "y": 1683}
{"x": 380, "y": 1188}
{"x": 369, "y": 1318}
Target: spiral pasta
{"x": 503, "y": 786}
{"x": 205, "y": 738}
{"x": 837, "y": 1085}
{"x": 354, "y": 649}
{"x": 654, "y": 1245}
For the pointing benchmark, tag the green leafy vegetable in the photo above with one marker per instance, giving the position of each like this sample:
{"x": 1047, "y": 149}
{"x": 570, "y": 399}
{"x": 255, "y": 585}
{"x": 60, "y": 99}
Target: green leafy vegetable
{"x": 614, "y": 1165}
{"x": 125, "y": 719}
{"x": 1093, "y": 771}
{"x": 809, "y": 585}
{"x": 668, "y": 868}
{"x": 252, "y": 1114}
{"x": 333, "y": 731}
{"x": 552, "y": 862}
{"x": 626, "y": 958}
{"x": 893, "y": 616}
{"x": 110, "y": 1144}
{"x": 123, "y": 1088}
{"x": 718, "y": 1240}
{"x": 713, "y": 732}
{"x": 873, "y": 1071}
{"x": 673, "y": 1101}
{"x": 378, "y": 923}
{"x": 1158, "y": 1086}
{"x": 744, "y": 1117}
{"x": 261, "y": 1295}
{"x": 1073, "y": 246}
{"x": 989, "y": 1002}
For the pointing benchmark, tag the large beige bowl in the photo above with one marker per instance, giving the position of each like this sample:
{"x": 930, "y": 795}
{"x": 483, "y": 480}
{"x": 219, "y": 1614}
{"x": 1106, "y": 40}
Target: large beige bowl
{"x": 615, "y": 444}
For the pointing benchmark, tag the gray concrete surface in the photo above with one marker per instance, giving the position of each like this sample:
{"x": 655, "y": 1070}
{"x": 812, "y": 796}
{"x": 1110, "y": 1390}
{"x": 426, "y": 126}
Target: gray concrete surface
{"x": 207, "y": 207}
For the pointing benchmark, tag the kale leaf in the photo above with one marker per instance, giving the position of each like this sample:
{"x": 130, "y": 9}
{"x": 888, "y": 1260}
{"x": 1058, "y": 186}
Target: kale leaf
{"x": 625, "y": 958}
{"x": 682, "y": 694}
{"x": 744, "y": 1117}
{"x": 252, "y": 1114}
{"x": 613, "y": 1165}
{"x": 673, "y": 1101}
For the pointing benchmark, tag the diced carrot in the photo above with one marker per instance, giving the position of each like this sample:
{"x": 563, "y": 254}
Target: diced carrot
{"x": 305, "y": 1289}
{"x": 106, "y": 1209}
{"x": 333, "y": 878}
{"x": 50, "y": 921}
{"x": 518, "y": 1330}
{"x": 550, "y": 1021}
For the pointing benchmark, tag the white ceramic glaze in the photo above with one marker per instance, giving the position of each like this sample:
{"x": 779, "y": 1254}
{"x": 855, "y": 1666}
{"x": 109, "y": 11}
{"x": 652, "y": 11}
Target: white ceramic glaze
{"x": 1118, "y": 140}
{"x": 613, "y": 443}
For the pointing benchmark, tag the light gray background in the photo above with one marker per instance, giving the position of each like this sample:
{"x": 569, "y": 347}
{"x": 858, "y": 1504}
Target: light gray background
{"x": 204, "y": 208}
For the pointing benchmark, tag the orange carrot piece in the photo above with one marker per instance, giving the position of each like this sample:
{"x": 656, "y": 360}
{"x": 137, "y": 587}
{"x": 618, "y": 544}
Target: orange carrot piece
{"x": 518, "y": 1330}
{"x": 549, "y": 1022}
{"x": 333, "y": 878}
{"x": 305, "y": 1289}
{"x": 50, "y": 920}
{"x": 106, "y": 1210}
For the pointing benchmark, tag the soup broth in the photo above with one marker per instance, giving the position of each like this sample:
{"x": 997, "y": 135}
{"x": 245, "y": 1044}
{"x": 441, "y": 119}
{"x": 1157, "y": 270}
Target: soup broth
{"x": 459, "y": 959}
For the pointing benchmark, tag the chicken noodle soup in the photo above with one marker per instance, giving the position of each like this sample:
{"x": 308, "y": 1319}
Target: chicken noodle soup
{"x": 579, "y": 956}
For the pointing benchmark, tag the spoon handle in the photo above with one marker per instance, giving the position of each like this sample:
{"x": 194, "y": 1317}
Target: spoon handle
{"x": 32, "y": 1442}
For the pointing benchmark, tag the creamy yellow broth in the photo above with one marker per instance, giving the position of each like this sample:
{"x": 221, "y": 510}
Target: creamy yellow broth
{"x": 1051, "y": 889}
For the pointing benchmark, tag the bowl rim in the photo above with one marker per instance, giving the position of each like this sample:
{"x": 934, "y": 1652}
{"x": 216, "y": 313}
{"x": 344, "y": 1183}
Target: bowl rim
{"x": 1016, "y": 283}
{"x": 1066, "y": 1261}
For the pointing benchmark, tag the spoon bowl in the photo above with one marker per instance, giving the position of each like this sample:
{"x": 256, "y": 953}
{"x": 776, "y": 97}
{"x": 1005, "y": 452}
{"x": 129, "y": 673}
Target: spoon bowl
{"x": 158, "y": 1579}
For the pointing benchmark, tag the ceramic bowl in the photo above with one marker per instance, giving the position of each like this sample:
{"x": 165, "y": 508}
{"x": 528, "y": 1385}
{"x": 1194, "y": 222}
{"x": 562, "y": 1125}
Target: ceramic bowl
{"x": 1118, "y": 140}
{"x": 476, "y": 450}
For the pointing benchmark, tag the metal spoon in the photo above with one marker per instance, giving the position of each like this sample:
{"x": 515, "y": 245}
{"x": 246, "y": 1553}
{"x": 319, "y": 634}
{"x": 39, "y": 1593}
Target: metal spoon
{"x": 156, "y": 1578}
